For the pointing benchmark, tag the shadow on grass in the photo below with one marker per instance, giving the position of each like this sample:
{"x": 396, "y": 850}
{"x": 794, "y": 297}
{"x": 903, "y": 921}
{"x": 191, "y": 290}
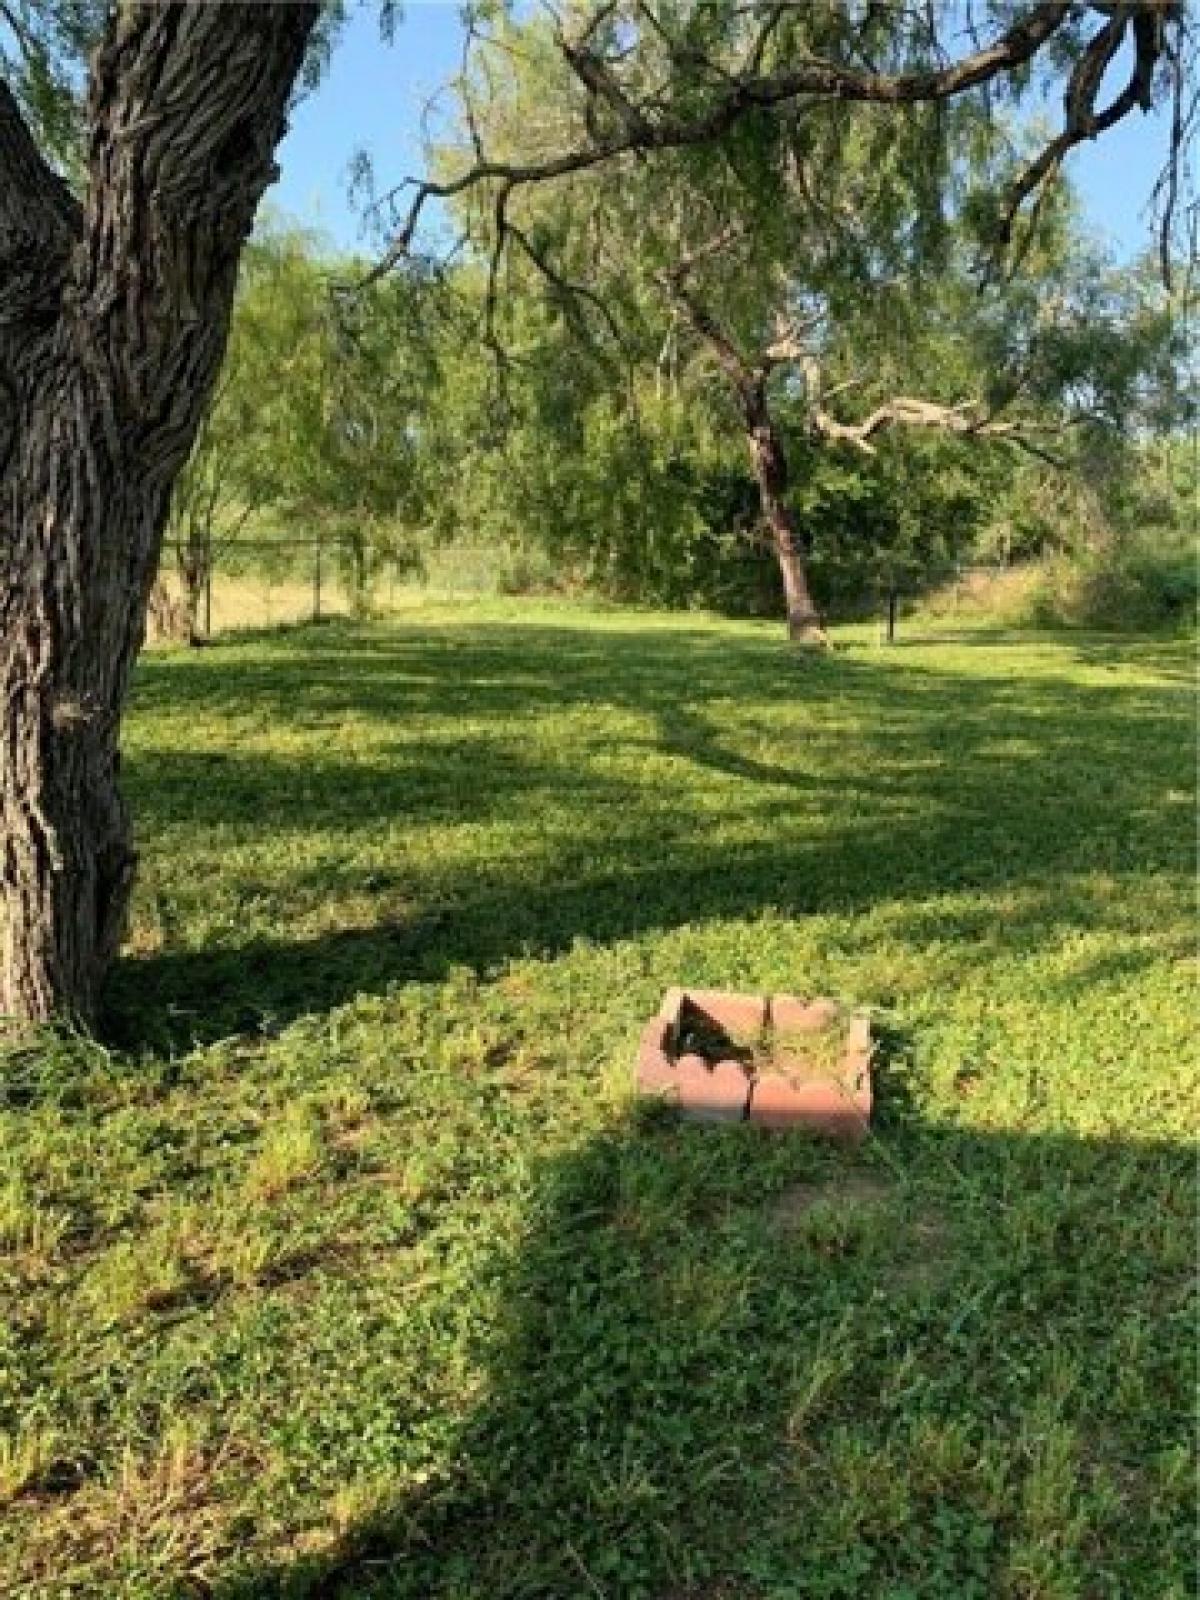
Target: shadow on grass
{"x": 720, "y": 1364}
{"x": 947, "y": 783}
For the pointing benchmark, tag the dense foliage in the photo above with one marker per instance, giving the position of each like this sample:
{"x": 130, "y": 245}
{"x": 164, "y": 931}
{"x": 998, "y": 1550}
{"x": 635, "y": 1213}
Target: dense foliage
{"x": 540, "y": 397}
{"x": 382, "y": 419}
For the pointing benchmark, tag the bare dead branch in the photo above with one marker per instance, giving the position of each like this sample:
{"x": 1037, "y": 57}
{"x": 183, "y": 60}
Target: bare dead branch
{"x": 792, "y": 342}
{"x": 966, "y": 420}
{"x": 748, "y": 373}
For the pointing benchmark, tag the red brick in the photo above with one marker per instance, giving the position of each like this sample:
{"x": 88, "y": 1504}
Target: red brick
{"x": 656, "y": 1034}
{"x": 712, "y": 1094}
{"x": 655, "y": 1072}
{"x": 820, "y": 1104}
{"x": 736, "y": 1013}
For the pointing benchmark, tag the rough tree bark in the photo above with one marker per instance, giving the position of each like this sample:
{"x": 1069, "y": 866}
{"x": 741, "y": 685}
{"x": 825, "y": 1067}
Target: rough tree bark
{"x": 113, "y": 320}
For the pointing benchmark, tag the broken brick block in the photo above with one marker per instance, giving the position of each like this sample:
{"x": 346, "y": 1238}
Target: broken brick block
{"x": 779, "y": 1082}
{"x": 717, "y": 1093}
{"x": 743, "y": 1015}
{"x": 840, "y": 1107}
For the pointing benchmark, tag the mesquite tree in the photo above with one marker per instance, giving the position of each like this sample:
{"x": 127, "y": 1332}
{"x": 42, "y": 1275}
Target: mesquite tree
{"x": 748, "y": 375}
{"x": 1059, "y": 374}
{"x": 835, "y": 133}
{"x": 650, "y": 81}
{"x": 114, "y": 310}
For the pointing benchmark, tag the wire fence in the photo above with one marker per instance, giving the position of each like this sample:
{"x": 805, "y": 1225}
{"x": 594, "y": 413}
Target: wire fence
{"x": 269, "y": 582}
{"x": 275, "y": 581}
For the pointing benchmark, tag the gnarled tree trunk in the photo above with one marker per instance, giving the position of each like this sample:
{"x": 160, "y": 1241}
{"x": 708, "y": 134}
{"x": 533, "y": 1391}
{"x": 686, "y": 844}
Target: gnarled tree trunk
{"x": 768, "y": 457}
{"x": 113, "y": 319}
{"x": 768, "y": 454}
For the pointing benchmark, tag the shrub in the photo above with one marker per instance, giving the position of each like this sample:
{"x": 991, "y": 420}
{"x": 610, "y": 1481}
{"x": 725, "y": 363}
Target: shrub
{"x": 1134, "y": 586}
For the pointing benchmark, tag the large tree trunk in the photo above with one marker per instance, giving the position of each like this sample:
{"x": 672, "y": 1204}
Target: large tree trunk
{"x": 113, "y": 319}
{"x": 769, "y": 460}
{"x": 72, "y": 626}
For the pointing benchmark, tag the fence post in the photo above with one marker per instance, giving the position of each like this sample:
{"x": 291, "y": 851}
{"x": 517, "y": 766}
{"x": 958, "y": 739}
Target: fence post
{"x": 317, "y": 582}
{"x": 891, "y": 614}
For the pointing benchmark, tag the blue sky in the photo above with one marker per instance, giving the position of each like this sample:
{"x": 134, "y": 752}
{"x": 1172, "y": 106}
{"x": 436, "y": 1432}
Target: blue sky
{"x": 373, "y": 97}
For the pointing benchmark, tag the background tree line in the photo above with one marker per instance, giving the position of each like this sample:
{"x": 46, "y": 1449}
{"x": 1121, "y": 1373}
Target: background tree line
{"x": 383, "y": 421}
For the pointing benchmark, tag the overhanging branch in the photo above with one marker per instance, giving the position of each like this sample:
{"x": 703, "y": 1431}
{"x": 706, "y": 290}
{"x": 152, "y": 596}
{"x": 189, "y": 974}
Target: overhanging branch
{"x": 645, "y": 128}
{"x": 1146, "y": 20}
{"x": 965, "y": 420}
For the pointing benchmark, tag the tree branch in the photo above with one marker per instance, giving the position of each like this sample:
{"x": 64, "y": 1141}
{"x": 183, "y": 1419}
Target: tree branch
{"x": 1081, "y": 120}
{"x": 742, "y": 371}
{"x": 566, "y": 287}
{"x": 1176, "y": 180}
{"x": 40, "y": 221}
{"x": 965, "y": 420}
{"x": 738, "y": 96}
{"x": 791, "y": 342}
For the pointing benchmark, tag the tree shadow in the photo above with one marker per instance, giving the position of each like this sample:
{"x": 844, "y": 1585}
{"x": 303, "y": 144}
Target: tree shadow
{"x": 726, "y": 1364}
{"x": 978, "y": 786}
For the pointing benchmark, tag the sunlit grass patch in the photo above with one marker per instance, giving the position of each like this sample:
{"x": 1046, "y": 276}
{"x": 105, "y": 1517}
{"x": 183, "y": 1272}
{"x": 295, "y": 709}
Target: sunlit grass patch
{"x": 25, "y": 1456}
{"x": 27, "y": 1225}
{"x": 289, "y": 1152}
{"x": 147, "y": 1273}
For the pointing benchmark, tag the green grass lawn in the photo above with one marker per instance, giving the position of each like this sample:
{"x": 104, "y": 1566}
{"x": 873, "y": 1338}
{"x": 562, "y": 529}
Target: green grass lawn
{"x": 348, "y": 1267}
